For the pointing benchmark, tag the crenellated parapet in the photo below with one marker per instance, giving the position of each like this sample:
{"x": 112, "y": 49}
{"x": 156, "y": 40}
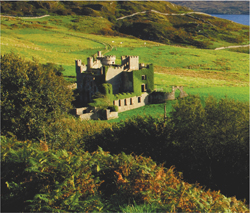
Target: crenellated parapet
{"x": 80, "y": 68}
{"x": 108, "y": 60}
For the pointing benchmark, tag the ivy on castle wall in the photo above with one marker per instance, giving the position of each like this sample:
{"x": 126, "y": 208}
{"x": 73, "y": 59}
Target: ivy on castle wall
{"x": 135, "y": 77}
{"x": 149, "y": 81}
{"x": 124, "y": 95}
{"x": 104, "y": 98}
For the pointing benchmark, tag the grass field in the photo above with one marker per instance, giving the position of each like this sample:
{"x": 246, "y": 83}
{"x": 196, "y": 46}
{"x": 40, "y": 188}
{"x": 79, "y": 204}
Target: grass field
{"x": 189, "y": 58}
{"x": 157, "y": 110}
{"x": 62, "y": 39}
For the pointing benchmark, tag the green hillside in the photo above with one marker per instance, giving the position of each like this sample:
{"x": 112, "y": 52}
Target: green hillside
{"x": 163, "y": 22}
{"x": 53, "y": 39}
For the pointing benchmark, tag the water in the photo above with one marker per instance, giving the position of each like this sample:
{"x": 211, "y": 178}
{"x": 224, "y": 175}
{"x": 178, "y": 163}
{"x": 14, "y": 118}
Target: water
{"x": 241, "y": 19}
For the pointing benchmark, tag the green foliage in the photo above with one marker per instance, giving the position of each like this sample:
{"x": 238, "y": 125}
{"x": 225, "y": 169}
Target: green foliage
{"x": 104, "y": 98}
{"x": 113, "y": 108}
{"x": 34, "y": 179}
{"x": 149, "y": 81}
{"x": 216, "y": 138}
{"x": 47, "y": 181}
{"x": 207, "y": 140}
{"x": 58, "y": 70}
{"x": 125, "y": 95}
{"x": 33, "y": 95}
{"x": 100, "y": 100}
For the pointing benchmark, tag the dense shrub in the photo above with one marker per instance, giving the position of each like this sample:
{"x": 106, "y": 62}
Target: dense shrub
{"x": 33, "y": 95}
{"x": 35, "y": 178}
{"x": 213, "y": 141}
{"x": 207, "y": 141}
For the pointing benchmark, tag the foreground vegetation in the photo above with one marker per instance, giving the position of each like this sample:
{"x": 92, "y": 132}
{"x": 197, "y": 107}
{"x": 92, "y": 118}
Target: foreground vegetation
{"x": 52, "y": 161}
{"x": 35, "y": 178}
{"x": 208, "y": 136}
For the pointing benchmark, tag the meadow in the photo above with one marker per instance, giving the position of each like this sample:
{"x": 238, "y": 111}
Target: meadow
{"x": 56, "y": 39}
{"x": 157, "y": 110}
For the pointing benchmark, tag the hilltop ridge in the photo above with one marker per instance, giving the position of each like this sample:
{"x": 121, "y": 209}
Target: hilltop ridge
{"x": 162, "y": 22}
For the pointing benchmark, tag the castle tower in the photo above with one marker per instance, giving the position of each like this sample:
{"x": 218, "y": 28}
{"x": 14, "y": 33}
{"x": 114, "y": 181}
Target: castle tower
{"x": 79, "y": 76}
{"x": 133, "y": 62}
{"x": 108, "y": 60}
{"x": 90, "y": 63}
{"x": 99, "y": 54}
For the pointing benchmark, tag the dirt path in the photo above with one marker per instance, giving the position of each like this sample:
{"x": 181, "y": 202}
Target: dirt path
{"x": 25, "y": 17}
{"x": 222, "y": 48}
{"x": 165, "y": 14}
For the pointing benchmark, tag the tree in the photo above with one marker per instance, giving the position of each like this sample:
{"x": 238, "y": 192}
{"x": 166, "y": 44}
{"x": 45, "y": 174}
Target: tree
{"x": 32, "y": 96}
{"x": 211, "y": 140}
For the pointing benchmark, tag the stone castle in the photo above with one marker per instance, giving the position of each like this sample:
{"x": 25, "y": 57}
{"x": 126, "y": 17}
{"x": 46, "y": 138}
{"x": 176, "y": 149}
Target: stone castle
{"x": 129, "y": 84}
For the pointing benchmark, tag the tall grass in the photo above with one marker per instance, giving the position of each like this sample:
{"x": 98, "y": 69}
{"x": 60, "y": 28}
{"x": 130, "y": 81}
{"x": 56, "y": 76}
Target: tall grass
{"x": 189, "y": 58}
{"x": 157, "y": 110}
{"x": 165, "y": 80}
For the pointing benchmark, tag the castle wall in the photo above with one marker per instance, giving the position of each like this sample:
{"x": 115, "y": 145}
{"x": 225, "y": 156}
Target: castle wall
{"x": 127, "y": 84}
{"x": 132, "y": 102}
{"x": 114, "y": 77}
{"x": 91, "y": 64}
{"x": 79, "y": 77}
{"x": 108, "y": 60}
{"x": 87, "y": 113}
{"x": 171, "y": 95}
{"x": 81, "y": 110}
{"x": 89, "y": 116}
{"x": 89, "y": 88}
{"x": 133, "y": 62}
{"x": 111, "y": 115}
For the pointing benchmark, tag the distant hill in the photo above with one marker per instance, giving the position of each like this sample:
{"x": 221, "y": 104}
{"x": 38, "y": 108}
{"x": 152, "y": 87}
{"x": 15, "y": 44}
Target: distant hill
{"x": 107, "y": 9}
{"x": 217, "y": 7}
{"x": 158, "y": 21}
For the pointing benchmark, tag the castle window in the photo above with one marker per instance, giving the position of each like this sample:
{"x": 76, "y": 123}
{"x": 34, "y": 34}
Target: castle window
{"x": 143, "y": 87}
{"x": 125, "y": 102}
{"x": 119, "y": 102}
{"x": 139, "y": 99}
{"x": 131, "y": 101}
{"x": 143, "y": 77}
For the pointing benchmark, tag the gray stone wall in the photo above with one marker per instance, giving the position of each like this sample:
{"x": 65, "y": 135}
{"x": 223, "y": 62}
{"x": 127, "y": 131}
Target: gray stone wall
{"x": 108, "y": 60}
{"x": 89, "y": 113}
{"x": 89, "y": 88}
{"x": 171, "y": 96}
{"x": 79, "y": 77}
{"x": 111, "y": 115}
{"x": 133, "y": 62}
{"x": 132, "y": 102}
{"x": 89, "y": 116}
{"x": 114, "y": 77}
{"x": 127, "y": 83}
